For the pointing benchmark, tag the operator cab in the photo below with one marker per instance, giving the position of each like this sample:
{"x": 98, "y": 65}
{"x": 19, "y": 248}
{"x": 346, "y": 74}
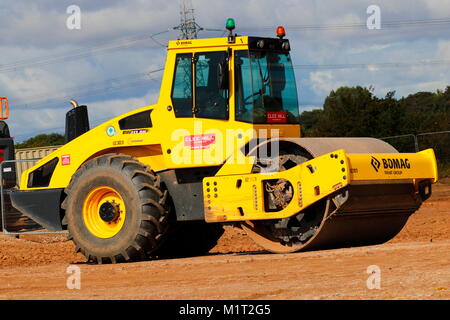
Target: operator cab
{"x": 265, "y": 85}
{"x": 240, "y": 78}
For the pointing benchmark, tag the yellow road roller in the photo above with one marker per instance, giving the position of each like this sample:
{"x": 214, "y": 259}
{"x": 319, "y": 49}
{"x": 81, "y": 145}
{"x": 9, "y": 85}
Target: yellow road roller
{"x": 221, "y": 146}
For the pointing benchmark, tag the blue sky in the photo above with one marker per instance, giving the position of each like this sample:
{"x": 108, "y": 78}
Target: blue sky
{"x": 43, "y": 64}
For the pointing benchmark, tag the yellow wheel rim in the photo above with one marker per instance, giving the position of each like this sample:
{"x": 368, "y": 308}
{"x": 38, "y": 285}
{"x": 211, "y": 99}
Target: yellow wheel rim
{"x": 104, "y": 212}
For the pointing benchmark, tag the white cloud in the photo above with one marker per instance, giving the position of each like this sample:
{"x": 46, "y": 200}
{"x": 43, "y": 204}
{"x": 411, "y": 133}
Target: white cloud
{"x": 100, "y": 112}
{"x": 443, "y": 50}
{"x": 34, "y": 29}
{"x": 439, "y": 9}
{"x": 362, "y": 49}
{"x": 322, "y": 82}
{"x": 310, "y": 108}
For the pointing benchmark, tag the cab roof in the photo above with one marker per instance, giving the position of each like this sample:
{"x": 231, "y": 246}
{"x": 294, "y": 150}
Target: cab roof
{"x": 206, "y": 43}
{"x": 256, "y": 43}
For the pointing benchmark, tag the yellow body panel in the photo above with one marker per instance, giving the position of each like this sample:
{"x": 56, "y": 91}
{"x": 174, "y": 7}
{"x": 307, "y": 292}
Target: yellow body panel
{"x": 97, "y": 142}
{"x": 273, "y": 130}
{"x": 311, "y": 181}
{"x": 421, "y": 165}
{"x": 199, "y": 45}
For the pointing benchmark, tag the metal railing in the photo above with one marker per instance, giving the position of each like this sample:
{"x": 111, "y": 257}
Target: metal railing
{"x": 439, "y": 141}
{"x": 413, "y": 136}
{"x": 416, "y": 137}
{"x": 2, "y": 204}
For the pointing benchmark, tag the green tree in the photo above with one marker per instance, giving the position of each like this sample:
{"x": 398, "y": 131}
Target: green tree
{"x": 426, "y": 112}
{"x": 356, "y": 112}
{"x": 309, "y": 122}
{"x": 42, "y": 140}
{"x": 353, "y": 112}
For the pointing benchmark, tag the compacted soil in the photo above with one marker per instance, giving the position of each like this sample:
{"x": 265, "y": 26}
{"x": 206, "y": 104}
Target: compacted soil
{"x": 413, "y": 265}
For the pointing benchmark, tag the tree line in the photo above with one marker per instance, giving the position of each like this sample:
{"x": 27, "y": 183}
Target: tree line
{"x": 357, "y": 112}
{"x": 41, "y": 140}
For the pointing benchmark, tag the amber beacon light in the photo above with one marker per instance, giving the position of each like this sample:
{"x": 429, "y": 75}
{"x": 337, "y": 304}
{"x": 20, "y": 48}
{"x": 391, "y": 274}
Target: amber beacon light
{"x": 281, "y": 32}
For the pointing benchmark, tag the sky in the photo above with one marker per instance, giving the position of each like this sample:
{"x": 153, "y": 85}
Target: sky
{"x": 113, "y": 62}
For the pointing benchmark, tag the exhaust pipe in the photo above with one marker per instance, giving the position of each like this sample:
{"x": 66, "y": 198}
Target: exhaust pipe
{"x": 77, "y": 121}
{"x": 74, "y": 103}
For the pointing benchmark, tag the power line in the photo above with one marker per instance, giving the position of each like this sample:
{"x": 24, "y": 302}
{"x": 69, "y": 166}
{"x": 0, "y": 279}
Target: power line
{"x": 81, "y": 52}
{"x": 108, "y": 86}
{"x": 372, "y": 65}
{"x": 389, "y": 24}
{"x": 190, "y": 28}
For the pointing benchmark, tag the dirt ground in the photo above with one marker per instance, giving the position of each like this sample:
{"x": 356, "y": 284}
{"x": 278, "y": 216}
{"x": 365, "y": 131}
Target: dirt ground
{"x": 413, "y": 265}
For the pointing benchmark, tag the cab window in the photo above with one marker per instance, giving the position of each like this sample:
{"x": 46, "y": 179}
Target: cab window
{"x": 265, "y": 88}
{"x": 182, "y": 86}
{"x": 210, "y": 100}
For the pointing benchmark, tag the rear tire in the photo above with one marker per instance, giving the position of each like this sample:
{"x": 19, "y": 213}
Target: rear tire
{"x": 141, "y": 204}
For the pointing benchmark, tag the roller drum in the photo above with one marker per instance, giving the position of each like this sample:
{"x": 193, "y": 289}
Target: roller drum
{"x": 373, "y": 213}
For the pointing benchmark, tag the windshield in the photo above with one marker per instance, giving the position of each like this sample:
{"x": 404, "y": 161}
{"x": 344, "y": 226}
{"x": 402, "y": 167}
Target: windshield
{"x": 265, "y": 88}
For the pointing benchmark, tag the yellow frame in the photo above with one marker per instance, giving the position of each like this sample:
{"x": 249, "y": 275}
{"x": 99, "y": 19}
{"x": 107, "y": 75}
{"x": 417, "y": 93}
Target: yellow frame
{"x": 240, "y": 197}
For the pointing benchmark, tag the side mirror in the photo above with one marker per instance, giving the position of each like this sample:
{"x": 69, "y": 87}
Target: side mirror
{"x": 223, "y": 75}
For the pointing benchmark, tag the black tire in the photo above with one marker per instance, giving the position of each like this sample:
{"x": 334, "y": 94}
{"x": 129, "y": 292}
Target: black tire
{"x": 146, "y": 222}
{"x": 190, "y": 238}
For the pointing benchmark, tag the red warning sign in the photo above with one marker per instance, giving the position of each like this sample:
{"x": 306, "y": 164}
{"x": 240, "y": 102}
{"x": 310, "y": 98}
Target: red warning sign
{"x": 276, "y": 117}
{"x": 65, "y": 160}
{"x": 200, "y": 141}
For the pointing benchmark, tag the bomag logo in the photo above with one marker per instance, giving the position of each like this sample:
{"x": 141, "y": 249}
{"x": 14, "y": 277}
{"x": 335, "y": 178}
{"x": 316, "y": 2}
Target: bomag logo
{"x": 183, "y": 43}
{"x": 375, "y": 164}
{"x": 390, "y": 163}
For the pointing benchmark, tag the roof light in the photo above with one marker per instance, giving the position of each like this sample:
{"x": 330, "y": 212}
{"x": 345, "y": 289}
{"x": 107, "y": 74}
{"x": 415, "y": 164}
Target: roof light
{"x": 285, "y": 45}
{"x": 230, "y": 24}
{"x": 280, "y": 32}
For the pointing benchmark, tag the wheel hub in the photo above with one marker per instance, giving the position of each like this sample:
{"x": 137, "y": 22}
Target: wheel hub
{"x": 109, "y": 211}
{"x": 104, "y": 212}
